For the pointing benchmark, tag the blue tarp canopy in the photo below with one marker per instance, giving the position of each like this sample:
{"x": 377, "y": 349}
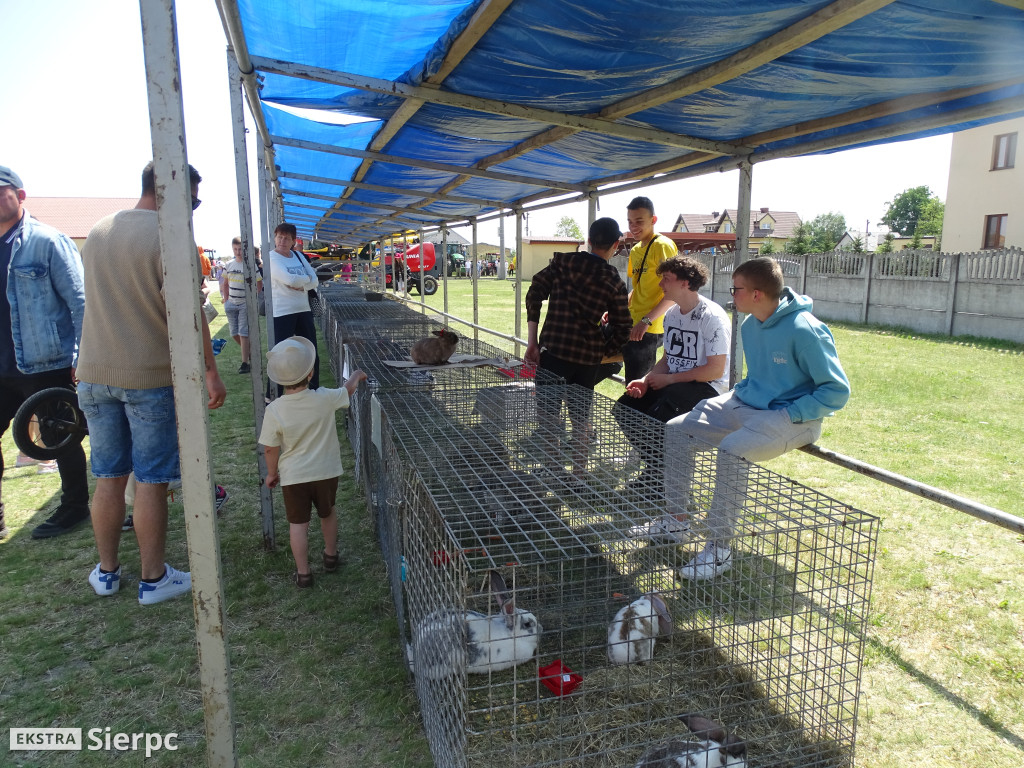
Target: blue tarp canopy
{"x": 467, "y": 107}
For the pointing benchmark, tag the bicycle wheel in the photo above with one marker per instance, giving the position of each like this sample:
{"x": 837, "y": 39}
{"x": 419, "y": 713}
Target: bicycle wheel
{"x": 61, "y": 424}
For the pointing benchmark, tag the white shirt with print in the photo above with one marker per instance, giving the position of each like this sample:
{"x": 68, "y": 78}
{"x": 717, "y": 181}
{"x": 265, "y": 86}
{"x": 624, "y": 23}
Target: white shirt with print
{"x": 692, "y": 337}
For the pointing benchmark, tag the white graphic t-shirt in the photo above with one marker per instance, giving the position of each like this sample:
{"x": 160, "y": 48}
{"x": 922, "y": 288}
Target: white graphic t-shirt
{"x": 692, "y": 337}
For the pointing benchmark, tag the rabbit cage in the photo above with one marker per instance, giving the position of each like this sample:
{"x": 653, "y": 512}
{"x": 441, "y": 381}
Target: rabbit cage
{"x": 465, "y": 478}
{"x": 771, "y": 649}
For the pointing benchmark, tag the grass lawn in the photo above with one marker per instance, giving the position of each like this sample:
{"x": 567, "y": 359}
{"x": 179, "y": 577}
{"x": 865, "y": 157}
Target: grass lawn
{"x": 317, "y": 676}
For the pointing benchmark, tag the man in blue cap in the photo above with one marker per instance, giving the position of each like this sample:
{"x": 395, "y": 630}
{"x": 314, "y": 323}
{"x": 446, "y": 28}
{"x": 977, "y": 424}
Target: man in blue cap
{"x": 42, "y": 302}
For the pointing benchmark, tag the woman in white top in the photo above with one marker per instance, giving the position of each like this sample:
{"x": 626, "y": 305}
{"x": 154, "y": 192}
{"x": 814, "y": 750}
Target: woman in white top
{"x": 291, "y": 279}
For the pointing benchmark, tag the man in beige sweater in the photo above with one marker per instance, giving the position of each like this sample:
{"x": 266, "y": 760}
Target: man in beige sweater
{"x": 125, "y": 392}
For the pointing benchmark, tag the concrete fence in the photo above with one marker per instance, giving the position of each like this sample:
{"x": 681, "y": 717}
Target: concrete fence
{"x": 957, "y": 294}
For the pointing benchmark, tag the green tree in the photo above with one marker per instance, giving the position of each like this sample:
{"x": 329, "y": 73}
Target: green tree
{"x": 801, "y": 240}
{"x": 825, "y": 231}
{"x": 858, "y": 245}
{"x": 886, "y": 246}
{"x": 567, "y": 227}
{"x": 915, "y": 241}
{"x": 913, "y": 208}
{"x": 767, "y": 247}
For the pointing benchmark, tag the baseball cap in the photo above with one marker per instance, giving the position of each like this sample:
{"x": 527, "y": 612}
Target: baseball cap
{"x": 291, "y": 360}
{"x": 9, "y": 178}
{"x": 604, "y": 232}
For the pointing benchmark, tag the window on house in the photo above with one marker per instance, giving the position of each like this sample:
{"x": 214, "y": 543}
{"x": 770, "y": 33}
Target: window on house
{"x": 995, "y": 231}
{"x": 1004, "y": 151}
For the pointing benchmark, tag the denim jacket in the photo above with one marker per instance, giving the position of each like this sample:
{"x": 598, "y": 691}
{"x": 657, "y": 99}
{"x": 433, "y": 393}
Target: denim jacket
{"x": 46, "y": 291}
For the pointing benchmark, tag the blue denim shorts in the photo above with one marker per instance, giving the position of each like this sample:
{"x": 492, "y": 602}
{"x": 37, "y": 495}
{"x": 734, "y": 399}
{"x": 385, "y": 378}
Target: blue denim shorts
{"x": 131, "y": 429}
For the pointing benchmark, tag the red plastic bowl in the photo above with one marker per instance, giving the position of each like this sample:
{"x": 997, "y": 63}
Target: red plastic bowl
{"x": 559, "y": 679}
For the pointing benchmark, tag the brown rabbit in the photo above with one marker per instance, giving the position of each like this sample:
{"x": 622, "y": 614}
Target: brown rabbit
{"x": 431, "y": 351}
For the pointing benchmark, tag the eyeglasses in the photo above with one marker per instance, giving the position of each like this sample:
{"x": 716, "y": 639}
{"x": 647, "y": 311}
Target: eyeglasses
{"x": 735, "y": 288}
{"x": 196, "y": 202}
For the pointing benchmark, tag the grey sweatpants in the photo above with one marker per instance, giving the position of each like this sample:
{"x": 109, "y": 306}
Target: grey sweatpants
{"x": 742, "y": 435}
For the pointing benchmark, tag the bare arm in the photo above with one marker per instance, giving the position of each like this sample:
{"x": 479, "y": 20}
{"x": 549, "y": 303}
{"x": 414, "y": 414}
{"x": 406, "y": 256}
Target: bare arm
{"x": 214, "y": 386}
{"x": 713, "y": 369}
{"x": 272, "y": 453}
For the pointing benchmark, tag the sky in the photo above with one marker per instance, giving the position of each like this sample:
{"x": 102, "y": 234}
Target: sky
{"x": 76, "y": 124}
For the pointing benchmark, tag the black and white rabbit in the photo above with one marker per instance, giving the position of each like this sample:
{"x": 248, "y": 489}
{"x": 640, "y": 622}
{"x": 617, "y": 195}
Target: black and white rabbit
{"x": 717, "y": 750}
{"x": 434, "y": 351}
{"x": 449, "y": 641}
{"x": 634, "y": 629}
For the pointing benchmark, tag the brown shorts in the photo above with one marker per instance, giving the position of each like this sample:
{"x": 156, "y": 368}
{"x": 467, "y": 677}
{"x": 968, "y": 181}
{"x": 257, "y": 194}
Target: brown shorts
{"x": 299, "y": 499}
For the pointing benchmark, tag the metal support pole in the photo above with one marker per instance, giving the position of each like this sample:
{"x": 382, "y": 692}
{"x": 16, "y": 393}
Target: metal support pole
{"x": 250, "y": 272}
{"x": 423, "y": 258}
{"x": 266, "y": 204}
{"x": 741, "y": 254}
{"x": 184, "y": 325}
{"x": 502, "y": 261}
{"x": 951, "y": 500}
{"x": 444, "y": 271}
{"x": 476, "y": 289}
{"x": 519, "y": 279}
{"x": 591, "y": 211}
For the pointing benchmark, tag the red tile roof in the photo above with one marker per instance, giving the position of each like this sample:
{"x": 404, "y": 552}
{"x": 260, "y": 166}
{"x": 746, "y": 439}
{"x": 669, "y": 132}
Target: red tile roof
{"x": 694, "y": 222}
{"x": 75, "y": 216}
{"x": 785, "y": 221}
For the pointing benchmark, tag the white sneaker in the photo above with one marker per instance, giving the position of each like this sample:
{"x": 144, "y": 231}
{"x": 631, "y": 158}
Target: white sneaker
{"x": 173, "y": 583}
{"x": 105, "y": 584}
{"x": 667, "y": 529}
{"x": 711, "y": 562}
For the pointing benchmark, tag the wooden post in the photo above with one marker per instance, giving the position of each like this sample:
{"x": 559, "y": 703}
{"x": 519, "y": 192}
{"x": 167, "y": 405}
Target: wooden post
{"x": 250, "y": 271}
{"x": 181, "y": 286}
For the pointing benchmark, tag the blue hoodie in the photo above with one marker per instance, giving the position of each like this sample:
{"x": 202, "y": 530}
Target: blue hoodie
{"x": 792, "y": 363}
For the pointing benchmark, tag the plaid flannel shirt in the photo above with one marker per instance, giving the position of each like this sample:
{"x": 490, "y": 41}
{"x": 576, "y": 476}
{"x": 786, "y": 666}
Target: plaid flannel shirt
{"x": 579, "y": 289}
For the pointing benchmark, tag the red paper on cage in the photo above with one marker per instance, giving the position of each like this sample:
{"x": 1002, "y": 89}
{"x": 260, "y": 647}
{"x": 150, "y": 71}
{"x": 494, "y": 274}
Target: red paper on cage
{"x": 559, "y": 679}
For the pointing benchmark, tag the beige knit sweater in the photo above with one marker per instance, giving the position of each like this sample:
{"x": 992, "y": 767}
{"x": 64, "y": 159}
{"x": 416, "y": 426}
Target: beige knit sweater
{"x": 124, "y": 334}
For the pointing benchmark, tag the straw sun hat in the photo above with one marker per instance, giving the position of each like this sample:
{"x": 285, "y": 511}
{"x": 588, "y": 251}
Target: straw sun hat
{"x": 290, "y": 361}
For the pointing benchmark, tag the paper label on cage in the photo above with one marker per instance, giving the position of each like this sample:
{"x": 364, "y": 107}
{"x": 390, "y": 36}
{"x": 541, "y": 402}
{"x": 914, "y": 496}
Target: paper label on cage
{"x": 566, "y": 678}
{"x": 375, "y": 422}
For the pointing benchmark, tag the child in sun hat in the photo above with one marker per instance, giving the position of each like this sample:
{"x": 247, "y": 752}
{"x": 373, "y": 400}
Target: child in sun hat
{"x": 303, "y": 455}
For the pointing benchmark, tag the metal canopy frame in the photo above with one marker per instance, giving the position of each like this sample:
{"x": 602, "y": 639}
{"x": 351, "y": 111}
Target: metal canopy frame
{"x": 930, "y": 110}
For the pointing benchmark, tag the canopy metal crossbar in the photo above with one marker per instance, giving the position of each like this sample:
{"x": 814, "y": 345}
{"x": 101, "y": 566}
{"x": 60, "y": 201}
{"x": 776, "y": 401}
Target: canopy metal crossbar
{"x": 470, "y": 108}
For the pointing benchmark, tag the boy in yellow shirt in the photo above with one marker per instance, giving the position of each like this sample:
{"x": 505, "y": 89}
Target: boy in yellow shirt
{"x": 647, "y": 302}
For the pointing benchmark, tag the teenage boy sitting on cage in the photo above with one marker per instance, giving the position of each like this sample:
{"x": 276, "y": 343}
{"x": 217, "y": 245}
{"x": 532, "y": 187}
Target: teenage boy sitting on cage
{"x": 301, "y": 446}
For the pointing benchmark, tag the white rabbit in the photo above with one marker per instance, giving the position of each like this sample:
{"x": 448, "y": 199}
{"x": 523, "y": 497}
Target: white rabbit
{"x": 718, "y": 750}
{"x": 635, "y": 627}
{"x": 448, "y": 641}
{"x": 431, "y": 351}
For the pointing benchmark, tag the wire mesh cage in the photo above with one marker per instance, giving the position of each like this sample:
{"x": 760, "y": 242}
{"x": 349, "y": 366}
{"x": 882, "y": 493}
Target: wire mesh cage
{"x": 475, "y": 472}
{"x": 772, "y": 649}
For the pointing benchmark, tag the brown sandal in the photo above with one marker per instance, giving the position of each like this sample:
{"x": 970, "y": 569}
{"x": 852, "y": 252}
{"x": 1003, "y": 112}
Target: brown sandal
{"x": 302, "y": 580}
{"x": 331, "y": 562}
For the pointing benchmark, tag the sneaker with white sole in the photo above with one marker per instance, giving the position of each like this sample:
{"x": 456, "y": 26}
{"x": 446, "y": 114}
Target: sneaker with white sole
{"x": 667, "y": 529}
{"x": 105, "y": 584}
{"x": 712, "y": 561}
{"x": 173, "y": 583}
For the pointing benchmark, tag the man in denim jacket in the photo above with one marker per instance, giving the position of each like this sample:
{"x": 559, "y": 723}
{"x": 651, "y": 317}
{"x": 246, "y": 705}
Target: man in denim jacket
{"x": 42, "y": 301}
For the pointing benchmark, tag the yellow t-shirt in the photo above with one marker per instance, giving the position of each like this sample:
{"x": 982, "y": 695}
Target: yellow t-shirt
{"x": 647, "y": 293}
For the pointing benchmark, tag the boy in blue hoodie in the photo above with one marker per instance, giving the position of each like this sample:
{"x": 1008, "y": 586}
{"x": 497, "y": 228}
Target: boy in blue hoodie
{"x": 794, "y": 380}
